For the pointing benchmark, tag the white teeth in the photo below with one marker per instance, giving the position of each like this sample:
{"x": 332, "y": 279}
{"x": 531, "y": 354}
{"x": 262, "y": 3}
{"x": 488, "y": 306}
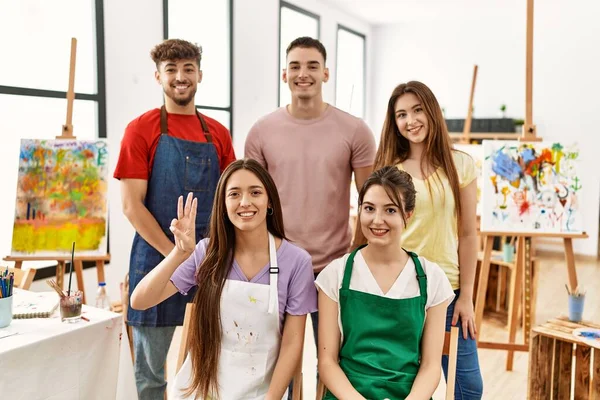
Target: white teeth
{"x": 246, "y": 214}
{"x": 379, "y": 231}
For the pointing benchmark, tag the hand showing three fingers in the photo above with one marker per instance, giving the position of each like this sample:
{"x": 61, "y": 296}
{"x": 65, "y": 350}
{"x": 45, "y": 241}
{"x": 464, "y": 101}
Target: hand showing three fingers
{"x": 184, "y": 226}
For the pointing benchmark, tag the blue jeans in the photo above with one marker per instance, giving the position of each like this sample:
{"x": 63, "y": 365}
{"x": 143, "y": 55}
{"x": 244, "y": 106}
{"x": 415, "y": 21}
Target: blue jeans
{"x": 150, "y": 348}
{"x": 469, "y": 384}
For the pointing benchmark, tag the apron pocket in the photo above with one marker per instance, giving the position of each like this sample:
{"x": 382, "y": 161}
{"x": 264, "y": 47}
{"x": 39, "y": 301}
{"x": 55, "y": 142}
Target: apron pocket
{"x": 379, "y": 389}
{"x": 242, "y": 375}
{"x": 197, "y": 174}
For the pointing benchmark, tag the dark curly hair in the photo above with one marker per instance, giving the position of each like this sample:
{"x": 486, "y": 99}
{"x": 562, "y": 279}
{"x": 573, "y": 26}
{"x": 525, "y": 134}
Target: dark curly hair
{"x": 176, "y": 49}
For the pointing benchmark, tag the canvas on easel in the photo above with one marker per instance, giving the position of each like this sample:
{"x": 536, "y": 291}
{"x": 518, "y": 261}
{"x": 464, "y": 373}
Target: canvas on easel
{"x": 531, "y": 187}
{"x": 62, "y": 196}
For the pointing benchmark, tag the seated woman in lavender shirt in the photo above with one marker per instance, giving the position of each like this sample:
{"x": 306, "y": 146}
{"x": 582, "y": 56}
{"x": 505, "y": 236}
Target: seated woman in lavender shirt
{"x": 254, "y": 291}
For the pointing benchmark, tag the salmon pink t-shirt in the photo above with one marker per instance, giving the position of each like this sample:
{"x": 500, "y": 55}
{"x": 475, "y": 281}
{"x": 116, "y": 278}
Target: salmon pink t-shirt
{"x": 311, "y": 162}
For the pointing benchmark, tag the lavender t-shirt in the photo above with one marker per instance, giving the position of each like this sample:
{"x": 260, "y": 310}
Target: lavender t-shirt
{"x": 295, "y": 283}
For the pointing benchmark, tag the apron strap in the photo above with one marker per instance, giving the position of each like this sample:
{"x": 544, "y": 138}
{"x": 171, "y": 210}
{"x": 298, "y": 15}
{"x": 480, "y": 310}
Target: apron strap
{"x": 348, "y": 268}
{"x": 163, "y": 120}
{"x": 421, "y": 277}
{"x": 164, "y": 128}
{"x": 273, "y": 274}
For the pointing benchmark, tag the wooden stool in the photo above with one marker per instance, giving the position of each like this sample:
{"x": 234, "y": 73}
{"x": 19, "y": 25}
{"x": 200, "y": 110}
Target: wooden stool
{"x": 551, "y": 351}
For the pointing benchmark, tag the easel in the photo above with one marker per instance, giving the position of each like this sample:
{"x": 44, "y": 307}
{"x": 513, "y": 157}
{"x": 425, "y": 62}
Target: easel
{"x": 467, "y": 128}
{"x": 67, "y": 133}
{"x": 521, "y": 293}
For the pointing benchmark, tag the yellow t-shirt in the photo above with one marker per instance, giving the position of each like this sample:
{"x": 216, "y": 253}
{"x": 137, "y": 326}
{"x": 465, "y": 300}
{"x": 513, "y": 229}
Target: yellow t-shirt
{"x": 432, "y": 230}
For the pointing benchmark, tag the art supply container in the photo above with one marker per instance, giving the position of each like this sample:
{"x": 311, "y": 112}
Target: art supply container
{"x": 70, "y": 307}
{"x": 6, "y": 311}
{"x": 576, "y": 307}
{"x": 508, "y": 252}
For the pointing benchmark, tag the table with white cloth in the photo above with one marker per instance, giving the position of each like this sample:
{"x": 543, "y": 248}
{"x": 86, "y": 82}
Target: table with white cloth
{"x": 45, "y": 358}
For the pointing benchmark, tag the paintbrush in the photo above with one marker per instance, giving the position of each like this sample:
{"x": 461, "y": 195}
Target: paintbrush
{"x": 55, "y": 286}
{"x": 71, "y": 269}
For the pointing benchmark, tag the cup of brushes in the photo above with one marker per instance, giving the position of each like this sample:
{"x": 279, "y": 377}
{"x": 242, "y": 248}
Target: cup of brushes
{"x": 6, "y": 297}
{"x": 70, "y": 302}
{"x": 576, "y": 303}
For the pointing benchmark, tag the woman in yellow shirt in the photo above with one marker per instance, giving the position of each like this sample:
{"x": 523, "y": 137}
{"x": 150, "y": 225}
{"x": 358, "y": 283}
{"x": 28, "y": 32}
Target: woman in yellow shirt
{"x": 443, "y": 228}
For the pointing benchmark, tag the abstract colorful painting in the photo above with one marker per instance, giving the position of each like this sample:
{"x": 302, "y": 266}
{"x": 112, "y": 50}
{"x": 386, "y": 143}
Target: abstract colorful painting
{"x": 531, "y": 187}
{"x": 476, "y": 152}
{"x": 61, "y": 198}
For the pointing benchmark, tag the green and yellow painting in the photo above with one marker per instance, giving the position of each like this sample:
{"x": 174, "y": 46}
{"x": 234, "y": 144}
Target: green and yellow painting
{"x": 62, "y": 192}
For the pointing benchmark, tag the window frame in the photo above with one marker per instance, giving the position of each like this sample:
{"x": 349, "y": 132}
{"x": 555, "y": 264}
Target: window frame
{"x": 341, "y": 27}
{"x": 99, "y": 97}
{"x": 293, "y": 7}
{"x": 231, "y": 42}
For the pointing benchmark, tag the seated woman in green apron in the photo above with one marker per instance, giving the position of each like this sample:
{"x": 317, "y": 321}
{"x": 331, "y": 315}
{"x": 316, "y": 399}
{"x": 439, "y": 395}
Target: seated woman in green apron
{"x": 254, "y": 291}
{"x": 382, "y": 310}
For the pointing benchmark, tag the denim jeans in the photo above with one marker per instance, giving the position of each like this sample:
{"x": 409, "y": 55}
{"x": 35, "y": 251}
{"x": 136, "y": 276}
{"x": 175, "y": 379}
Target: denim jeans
{"x": 469, "y": 384}
{"x": 150, "y": 348}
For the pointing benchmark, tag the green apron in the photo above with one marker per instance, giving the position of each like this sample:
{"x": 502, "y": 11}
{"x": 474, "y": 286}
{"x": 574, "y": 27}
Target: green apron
{"x": 381, "y": 350}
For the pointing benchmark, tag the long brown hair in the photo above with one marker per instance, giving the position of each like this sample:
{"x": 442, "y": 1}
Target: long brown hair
{"x": 397, "y": 184}
{"x": 395, "y": 148}
{"x": 206, "y": 331}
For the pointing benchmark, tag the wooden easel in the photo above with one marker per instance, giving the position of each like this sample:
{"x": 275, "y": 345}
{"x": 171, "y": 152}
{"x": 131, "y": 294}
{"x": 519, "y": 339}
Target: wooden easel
{"x": 521, "y": 293}
{"x": 467, "y": 128}
{"x": 67, "y": 133}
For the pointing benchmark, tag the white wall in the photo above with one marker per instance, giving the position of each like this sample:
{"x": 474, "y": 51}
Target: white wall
{"x": 442, "y": 52}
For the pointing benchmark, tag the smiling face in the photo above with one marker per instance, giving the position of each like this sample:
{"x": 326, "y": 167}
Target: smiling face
{"x": 381, "y": 218}
{"x": 179, "y": 79}
{"x": 246, "y": 201}
{"x": 305, "y": 72}
{"x": 411, "y": 119}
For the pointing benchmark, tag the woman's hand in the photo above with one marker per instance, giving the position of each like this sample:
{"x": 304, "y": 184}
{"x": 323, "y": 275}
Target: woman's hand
{"x": 184, "y": 226}
{"x": 463, "y": 309}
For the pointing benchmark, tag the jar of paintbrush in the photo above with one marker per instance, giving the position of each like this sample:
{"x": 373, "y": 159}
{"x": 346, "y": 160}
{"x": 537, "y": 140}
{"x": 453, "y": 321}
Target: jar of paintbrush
{"x": 576, "y": 303}
{"x": 7, "y": 280}
{"x": 71, "y": 302}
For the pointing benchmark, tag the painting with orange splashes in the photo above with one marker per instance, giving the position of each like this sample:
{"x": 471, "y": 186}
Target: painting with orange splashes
{"x": 62, "y": 195}
{"x": 531, "y": 187}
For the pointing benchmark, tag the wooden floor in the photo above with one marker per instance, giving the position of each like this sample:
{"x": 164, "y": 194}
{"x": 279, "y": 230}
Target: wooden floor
{"x": 498, "y": 383}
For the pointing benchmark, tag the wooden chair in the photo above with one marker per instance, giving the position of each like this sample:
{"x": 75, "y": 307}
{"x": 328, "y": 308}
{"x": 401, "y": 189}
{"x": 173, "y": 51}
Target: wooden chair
{"x": 183, "y": 350}
{"x": 450, "y": 349}
{"x": 23, "y": 277}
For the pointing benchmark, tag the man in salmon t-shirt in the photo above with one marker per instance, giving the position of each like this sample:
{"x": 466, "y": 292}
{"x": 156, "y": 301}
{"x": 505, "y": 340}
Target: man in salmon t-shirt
{"x": 165, "y": 153}
{"x": 311, "y": 149}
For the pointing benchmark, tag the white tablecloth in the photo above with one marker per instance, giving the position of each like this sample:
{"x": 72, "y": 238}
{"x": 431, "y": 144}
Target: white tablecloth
{"x": 51, "y": 360}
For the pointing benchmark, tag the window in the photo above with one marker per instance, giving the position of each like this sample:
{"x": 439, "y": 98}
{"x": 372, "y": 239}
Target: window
{"x": 293, "y": 23}
{"x": 350, "y": 72}
{"x": 208, "y": 23}
{"x": 34, "y": 78}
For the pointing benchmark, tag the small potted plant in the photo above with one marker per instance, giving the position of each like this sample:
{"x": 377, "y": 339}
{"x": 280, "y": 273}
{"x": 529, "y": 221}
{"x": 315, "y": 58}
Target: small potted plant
{"x": 519, "y": 125}
{"x": 503, "y": 110}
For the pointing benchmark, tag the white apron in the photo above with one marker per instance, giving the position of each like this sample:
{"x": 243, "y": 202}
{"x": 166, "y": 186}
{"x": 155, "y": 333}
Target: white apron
{"x": 250, "y": 341}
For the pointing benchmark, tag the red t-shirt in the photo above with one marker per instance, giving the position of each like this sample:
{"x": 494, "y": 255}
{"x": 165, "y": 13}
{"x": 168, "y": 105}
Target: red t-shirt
{"x": 140, "y": 140}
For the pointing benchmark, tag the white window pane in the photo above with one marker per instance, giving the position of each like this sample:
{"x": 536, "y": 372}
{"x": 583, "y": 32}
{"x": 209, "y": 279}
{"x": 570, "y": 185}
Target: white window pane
{"x": 350, "y": 73}
{"x": 33, "y": 118}
{"x": 37, "y": 35}
{"x": 206, "y": 23}
{"x": 294, "y": 24}
{"x": 221, "y": 116}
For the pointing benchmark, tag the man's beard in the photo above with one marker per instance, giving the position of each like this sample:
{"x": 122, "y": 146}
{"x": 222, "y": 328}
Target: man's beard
{"x": 182, "y": 102}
